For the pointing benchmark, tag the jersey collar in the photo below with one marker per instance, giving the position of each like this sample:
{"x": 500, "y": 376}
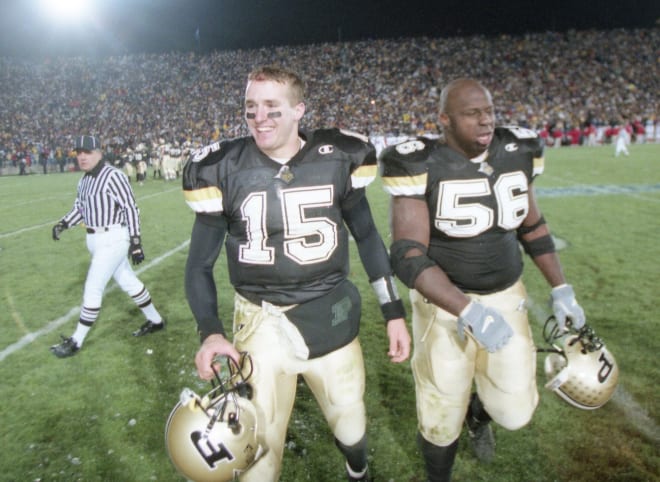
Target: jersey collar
{"x": 95, "y": 172}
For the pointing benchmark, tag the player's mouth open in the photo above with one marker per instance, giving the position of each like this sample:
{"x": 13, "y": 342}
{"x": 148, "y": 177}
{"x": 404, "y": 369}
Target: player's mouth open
{"x": 485, "y": 138}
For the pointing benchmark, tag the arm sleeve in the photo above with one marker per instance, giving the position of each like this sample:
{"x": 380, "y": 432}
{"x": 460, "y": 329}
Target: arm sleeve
{"x": 208, "y": 234}
{"x": 123, "y": 193}
{"x": 373, "y": 253}
{"x": 74, "y": 216}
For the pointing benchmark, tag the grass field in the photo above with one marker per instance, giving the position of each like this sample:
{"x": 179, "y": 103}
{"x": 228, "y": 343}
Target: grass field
{"x": 100, "y": 415}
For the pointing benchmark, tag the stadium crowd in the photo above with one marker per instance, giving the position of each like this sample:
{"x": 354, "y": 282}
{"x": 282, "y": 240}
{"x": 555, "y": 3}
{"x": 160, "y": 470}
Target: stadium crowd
{"x": 557, "y": 83}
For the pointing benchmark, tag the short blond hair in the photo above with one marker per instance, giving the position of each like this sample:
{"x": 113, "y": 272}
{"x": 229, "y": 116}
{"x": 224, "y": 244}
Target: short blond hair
{"x": 283, "y": 76}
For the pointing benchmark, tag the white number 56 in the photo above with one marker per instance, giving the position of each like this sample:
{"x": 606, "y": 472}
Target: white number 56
{"x": 460, "y": 219}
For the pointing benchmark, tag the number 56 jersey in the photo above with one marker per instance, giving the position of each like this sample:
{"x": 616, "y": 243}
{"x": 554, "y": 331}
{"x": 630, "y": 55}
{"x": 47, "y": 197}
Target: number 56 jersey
{"x": 286, "y": 241}
{"x": 475, "y": 205}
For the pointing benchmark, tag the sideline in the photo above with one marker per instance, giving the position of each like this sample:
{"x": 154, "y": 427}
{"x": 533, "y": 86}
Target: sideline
{"x": 54, "y": 324}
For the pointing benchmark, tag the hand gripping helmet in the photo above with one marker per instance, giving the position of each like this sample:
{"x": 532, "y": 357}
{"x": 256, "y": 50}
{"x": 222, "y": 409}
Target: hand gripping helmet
{"x": 214, "y": 438}
{"x": 579, "y": 368}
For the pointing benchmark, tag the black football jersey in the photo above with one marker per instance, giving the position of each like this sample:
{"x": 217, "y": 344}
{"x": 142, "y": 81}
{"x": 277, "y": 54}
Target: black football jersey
{"x": 286, "y": 241}
{"x": 475, "y": 205}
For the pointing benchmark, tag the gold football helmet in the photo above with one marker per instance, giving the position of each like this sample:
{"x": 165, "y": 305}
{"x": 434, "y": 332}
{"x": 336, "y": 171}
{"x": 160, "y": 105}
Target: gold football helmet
{"x": 214, "y": 438}
{"x": 579, "y": 368}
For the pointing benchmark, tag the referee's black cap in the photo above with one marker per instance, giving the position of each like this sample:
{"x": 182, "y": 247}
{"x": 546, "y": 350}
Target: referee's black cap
{"x": 87, "y": 143}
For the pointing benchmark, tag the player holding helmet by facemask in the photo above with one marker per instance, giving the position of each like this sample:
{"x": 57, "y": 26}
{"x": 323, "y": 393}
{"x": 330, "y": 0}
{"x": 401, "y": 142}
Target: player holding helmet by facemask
{"x": 461, "y": 206}
{"x": 283, "y": 202}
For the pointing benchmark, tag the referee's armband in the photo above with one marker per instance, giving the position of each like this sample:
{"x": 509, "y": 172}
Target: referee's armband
{"x": 409, "y": 268}
{"x": 390, "y": 303}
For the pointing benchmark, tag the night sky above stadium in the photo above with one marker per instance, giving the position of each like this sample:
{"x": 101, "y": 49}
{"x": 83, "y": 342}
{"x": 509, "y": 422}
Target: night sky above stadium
{"x": 102, "y": 27}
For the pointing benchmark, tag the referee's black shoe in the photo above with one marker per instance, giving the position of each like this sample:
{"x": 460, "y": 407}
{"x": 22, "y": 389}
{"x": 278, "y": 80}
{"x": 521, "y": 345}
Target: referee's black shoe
{"x": 68, "y": 347}
{"x": 149, "y": 327}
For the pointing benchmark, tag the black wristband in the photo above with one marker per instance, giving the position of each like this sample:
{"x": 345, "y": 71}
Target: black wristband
{"x": 203, "y": 335}
{"x": 393, "y": 310}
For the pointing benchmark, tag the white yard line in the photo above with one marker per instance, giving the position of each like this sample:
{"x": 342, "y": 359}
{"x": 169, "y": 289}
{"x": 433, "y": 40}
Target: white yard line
{"x": 637, "y": 416}
{"x": 50, "y": 223}
{"x": 25, "y": 230}
{"x": 54, "y": 324}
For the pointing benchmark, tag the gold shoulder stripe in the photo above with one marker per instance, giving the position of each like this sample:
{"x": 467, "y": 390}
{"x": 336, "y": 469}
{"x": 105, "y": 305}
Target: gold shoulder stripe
{"x": 205, "y": 200}
{"x": 363, "y": 176}
{"x": 405, "y": 185}
{"x": 539, "y": 166}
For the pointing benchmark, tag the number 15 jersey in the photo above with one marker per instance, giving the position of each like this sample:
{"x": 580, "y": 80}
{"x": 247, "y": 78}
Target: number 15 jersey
{"x": 286, "y": 241}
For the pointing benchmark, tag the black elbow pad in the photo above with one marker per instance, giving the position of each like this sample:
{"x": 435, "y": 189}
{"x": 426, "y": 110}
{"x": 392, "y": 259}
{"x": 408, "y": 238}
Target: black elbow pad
{"x": 408, "y": 268}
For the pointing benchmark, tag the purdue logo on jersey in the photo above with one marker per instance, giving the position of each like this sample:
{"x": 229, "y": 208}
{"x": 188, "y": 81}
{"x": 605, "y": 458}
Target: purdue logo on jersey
{"x": 285, "y": 174}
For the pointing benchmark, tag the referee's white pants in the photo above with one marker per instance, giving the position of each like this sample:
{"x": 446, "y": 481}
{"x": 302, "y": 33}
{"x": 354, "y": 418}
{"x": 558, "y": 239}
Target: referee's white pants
{"x": 337, "y": 381}
{"x": 109, "y": 250}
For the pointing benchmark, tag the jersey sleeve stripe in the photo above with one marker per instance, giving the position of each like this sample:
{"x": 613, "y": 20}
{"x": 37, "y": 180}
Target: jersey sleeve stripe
{"x": 363, "y": 176}
{"x": 204, "y": 200}
{"x": 539, "y": 166}
{"x": 405, "y": 185}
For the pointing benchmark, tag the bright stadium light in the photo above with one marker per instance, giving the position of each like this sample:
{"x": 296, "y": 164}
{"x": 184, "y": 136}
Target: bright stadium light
{"x": 65, "y": 11}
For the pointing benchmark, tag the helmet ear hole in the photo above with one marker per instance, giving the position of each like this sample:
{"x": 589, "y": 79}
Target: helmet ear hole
{"x": 554, "y": 363}
{"x": 232, "y": 422}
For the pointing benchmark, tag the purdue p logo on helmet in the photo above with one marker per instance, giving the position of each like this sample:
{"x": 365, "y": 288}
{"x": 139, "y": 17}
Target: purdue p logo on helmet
{"x": 214, "y": 438}
{"x": 579, "y": 368}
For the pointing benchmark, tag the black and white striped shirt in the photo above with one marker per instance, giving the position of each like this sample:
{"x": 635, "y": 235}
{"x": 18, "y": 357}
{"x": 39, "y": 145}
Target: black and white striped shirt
{"x": 105, "y": 198}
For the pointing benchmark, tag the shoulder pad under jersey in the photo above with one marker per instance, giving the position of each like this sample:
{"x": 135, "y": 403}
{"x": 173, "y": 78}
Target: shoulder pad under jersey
{"x": 346, "y": 141}
{"x": 525, "y": 139}
{"x": 355, "y": 148}
{"x": 201, "y": 177}
{"x": 404, "y": 168}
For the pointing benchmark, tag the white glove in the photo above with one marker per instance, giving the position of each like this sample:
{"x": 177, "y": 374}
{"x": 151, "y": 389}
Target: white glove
{"x": 487, "y": 326}
{"x": 566, "y": 308}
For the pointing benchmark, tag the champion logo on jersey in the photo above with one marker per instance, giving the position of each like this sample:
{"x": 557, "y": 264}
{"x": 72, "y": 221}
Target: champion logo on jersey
{"x": 511, "y": 147}
{"x": 326, "y": 149}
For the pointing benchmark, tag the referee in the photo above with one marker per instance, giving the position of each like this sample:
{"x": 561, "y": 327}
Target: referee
{"x": 106, "y": 205}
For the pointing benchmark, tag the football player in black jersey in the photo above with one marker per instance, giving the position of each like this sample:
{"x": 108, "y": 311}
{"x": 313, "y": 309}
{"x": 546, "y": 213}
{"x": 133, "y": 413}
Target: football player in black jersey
{"x": 460, "y": 207}
{"x": 284, "y": 201}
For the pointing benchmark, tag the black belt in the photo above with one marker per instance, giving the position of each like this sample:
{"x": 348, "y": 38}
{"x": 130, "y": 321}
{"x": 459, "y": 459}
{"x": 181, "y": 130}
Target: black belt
{"x": 97, "y": 230}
